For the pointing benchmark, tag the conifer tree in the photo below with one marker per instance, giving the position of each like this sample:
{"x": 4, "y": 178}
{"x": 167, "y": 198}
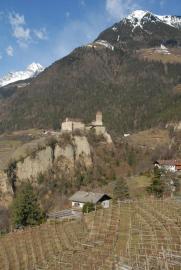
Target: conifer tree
{"x": 25, "y": 208}
{"x": 158, "y": 185}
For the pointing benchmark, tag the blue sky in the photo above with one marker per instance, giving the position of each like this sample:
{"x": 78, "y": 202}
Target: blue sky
{"x": 45, "y": 30}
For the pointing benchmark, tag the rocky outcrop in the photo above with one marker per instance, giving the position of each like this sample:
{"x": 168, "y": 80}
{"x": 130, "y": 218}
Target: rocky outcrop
{"x": 32, "y": 166}
{"x": 39, "y": 161}
{"x": 4, "y": 183}
{"x": 6, "y": 191}
{"x": 64, "y": 158}
{"x": 66, "y": 152}
{"x": 82, "y": 150}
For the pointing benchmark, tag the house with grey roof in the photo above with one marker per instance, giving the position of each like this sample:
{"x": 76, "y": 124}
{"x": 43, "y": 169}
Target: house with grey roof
{"x": 81, "y": 197}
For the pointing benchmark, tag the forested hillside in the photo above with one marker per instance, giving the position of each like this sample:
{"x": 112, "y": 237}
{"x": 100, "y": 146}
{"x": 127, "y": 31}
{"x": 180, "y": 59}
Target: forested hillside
{"x": 133, "y": 93}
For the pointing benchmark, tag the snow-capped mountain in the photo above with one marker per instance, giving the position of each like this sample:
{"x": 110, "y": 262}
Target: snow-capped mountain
{"x": 143, "y": 29}
{"x": 31, "y": 71}
{"x": 121, "y": 73}
{"x": 139, "y": 17}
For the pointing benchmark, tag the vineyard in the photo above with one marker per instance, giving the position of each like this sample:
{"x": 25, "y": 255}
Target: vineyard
{"x": 141, "y": 235}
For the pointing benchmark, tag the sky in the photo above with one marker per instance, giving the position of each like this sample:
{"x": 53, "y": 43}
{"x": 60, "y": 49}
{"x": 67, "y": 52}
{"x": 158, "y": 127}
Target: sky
{"x": 44, "y": 31}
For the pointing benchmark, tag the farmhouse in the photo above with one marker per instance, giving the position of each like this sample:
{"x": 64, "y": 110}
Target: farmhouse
{"x": 169, "y": 165}
{"x": 81, "y": 197}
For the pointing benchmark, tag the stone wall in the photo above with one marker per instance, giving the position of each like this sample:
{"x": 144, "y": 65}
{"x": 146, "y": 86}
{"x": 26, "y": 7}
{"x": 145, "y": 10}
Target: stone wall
{"x": 72, "y": 125}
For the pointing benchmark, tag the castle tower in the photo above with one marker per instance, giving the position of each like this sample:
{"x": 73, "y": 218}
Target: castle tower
{"x": 99, "y": 118}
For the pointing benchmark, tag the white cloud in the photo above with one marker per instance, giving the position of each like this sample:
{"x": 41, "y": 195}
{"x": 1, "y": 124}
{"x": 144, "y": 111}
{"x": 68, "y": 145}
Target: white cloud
{"x": 41, "y": 33}
{"x": 118, "y": 9}
{"x": 16, "y": 19}
{"x": 20, "y": 31}
{"x": 10, "y": 51}
{"x": 23, "y": 34}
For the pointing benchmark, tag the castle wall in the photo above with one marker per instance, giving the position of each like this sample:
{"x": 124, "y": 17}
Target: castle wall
{"x": 71, "y": 125}
{"x": 66, "y": 126}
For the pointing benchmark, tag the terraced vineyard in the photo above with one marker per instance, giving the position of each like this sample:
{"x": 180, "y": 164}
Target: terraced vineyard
{"x": 141, "y": 235}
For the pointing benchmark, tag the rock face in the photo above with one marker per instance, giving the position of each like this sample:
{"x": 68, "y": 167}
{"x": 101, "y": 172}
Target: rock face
{"x": 66, "y": 152}
{"x": 6, "y": 190}
{"x": 31, "y": 167}
{"x": 4, "y": 184}
{"x": 40, "y": 161}
{"x": 82, "y": 150}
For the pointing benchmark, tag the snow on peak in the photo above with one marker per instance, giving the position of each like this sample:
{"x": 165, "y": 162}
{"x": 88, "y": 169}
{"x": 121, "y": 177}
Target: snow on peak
{"x": 138, "y": 14}
{"x": 174, "y": 21}
{"x": 35, "y": 67}
{"x": 136, "y": 18}
{"x": 31, "y": 71}
{"x": 139, "y": 17}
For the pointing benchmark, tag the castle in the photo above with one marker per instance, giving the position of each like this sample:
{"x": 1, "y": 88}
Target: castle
{"x": 72, "y": 124}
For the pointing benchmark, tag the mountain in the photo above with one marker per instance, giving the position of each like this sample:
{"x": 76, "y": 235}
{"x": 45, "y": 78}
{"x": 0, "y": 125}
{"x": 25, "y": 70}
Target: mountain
{"x": 31, "y": 71}
{"x": 139, "y": 18}
{"x": 131, "y": 72}
{"x": 143, "y": 29}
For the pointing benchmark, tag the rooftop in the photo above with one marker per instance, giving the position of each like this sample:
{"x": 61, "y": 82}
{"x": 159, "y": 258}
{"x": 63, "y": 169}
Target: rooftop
{"x": 172, "y": 162}
{"x": 83, "y": 196}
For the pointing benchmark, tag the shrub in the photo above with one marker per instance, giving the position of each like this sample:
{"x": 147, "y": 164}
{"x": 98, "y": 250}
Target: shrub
{"x": 121, "y": 191}
{"x": 88, "y": 207}
{"x": 52, "y": 141}
{"x": 11, "y": 173}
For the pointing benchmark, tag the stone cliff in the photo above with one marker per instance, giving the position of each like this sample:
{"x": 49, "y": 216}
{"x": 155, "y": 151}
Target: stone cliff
{"x": 30, "y": 162}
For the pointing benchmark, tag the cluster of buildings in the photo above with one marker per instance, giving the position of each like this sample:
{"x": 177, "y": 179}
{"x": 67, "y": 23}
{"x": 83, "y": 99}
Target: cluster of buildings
{"x": 73, "y": 124}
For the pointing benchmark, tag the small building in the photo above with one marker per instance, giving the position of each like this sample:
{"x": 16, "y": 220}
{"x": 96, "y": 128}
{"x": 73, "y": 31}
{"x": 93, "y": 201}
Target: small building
{"x": 71, "y": 124}
{"x": 169, "y": 165}
{"x": 81, "y": 197}
{"x": 98, "y": 122}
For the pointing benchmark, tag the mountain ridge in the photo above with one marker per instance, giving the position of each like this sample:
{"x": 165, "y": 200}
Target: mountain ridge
{"x": 31, "y": 71}
{"x": 133, "y": 93}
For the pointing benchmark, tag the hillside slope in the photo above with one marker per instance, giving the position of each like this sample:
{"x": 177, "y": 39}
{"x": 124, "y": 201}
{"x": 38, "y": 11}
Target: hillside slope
{"x": 109, "y": 76}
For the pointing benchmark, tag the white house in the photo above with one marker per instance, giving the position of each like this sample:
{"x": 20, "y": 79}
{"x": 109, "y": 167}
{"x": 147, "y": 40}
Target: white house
{"x": 81, "y": 197}
{"x": 169, "y": 165}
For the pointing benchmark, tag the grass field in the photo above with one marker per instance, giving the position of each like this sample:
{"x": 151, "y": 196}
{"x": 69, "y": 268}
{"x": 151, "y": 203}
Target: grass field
{"x": 154, "y": 54}
{"x": 150, "y": 138}
{"x": 10, "y": 142}
{"x": 137, "y": 186}
{"x": 139, "y": 235}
